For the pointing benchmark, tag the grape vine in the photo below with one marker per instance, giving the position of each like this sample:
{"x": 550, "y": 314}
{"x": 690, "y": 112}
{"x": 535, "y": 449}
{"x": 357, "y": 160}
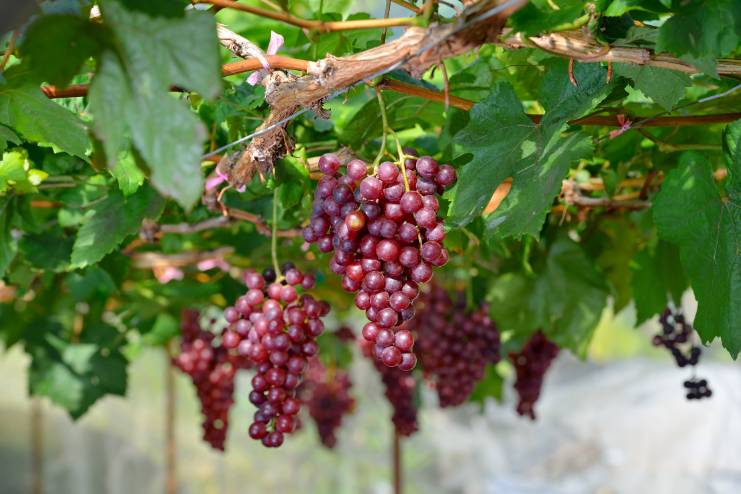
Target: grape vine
{"x": 560, "y": 162}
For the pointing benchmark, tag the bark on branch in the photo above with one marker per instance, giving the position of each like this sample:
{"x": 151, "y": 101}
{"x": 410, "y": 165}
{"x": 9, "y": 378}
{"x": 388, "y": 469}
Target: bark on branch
{"x": 417, "y": 49}
{"x": 575, "y": 44}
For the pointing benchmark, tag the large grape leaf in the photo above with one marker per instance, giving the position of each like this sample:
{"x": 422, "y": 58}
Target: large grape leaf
{"x": 525, "y": 207}
{"x": 569, "y": 296}
{"x": 16, "y": 173}
{"x": 127, "y": 174}
{"x": 664, "y": 86}
{"x": 506, "y": 143}
{"x": 111, "y": 221}
{"x": 6, "y": 136}
{"x": 402, "y": 111}
{"x": 55, "y": 46}
{"x": 657, "y": 275}
{"x": 565, "y": 299}
{"x": 73, "y": 375}
{"x": 130, "y": 92}
{"x": 539, "y": 16}
{"x": 701, "y": 32}
{"x": 7, "y": 242}
{"x": 692, "y": 211}
{"x": 613, "y": 245}
{"x": 49, "y": 250}
{"x": 24, "y": 108}
{"x": 616, "y": 8}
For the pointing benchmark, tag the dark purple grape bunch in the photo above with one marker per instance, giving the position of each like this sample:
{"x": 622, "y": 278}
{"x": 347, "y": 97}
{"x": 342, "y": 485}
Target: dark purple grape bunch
{"x": 212, "y": 373}
{"x": 386, "y": 235}
{"x": 697, "y": 389}
{"x": 276, "y": 327}
{"x": 399, "y": 389}
{"x": 326, "y": 393}
{"x": 453, "y": 344}
{"x": 531, "y": 363}
{"x": 677, "y": 337}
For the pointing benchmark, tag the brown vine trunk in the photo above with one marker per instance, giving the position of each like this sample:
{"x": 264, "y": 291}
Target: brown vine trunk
{"x": 396, "y": 458}
{"x": 171, "y": 482}
{"x": 37, "y": 447}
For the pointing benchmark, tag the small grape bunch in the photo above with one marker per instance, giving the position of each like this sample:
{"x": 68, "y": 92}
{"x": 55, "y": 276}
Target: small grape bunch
{"x": 326, "y": 393}
{"x": 276, "y": 328}
{"x": 454, "y": 344}
{"x": 697, "y": 389}
{"x": 399, "y": 389}
{"x": 676, "y": 336}
{"x": 212, "y": 373}
{"x": 531, "y": 363}
{"x": 384, "y": 230}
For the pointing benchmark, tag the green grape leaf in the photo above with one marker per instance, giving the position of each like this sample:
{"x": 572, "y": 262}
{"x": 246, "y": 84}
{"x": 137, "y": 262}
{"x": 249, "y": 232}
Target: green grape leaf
{"x": 491, "y": 386}
{"x": 7, "y": 242}
{"x": 111, "y": 221}
{"x": 565, "y": 299}
{"x": 616, "y": 8}
{"x": 56, "y": 46}
{"x": 131, "y": 88}
{"x": 568, "y": 297}
{"x": 165, "y": 328}
{"x": 16, "y": 173}
{"x": 73, "y": 375}
{"x": 108, "y": 95}
{"x": 502, "y": 139}
{"x": 6, "y": 136}
{"x": 506, "y": 143}
{"x": 540, "y": 16}
{"x": 526, "y": 206}
{"x": 701, "y": 32}
{"x": 563, "y": 101}
{"x": 127, "y": 174}
{"x": 402, "y": 111}
{"x": 509, "y": 303}
{"x": 29, "y": 112}
{"x": 657, "y": 276}
{"x": 664, "y": 86}
{"x": 691, "y": 211}
{"x": 84, "y": 284}
{"x": 619, "y": 239}
{"x": 49, "y": 250}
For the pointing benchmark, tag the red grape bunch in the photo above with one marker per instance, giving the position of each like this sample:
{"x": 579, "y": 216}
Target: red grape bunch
{"x": 384, "y": 229}
{"x": 212, "y": 373}
{"x": 399, "y": 391}
{"x": 531, "y": 364}
{"x": 276, "y": 328}
{"x": 676, "y": 336}
{"x": 454, "y": 345}
{"x": 326, "y": 393}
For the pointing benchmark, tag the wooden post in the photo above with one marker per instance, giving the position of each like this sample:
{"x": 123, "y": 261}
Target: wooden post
{"x": 170, "y": 441}
{"x": 396, "y": 454}
{"x": 37, "y": 447}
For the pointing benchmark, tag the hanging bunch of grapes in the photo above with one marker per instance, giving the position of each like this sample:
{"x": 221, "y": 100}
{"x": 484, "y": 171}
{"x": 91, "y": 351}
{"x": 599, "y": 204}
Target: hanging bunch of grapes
{"x": 276, "y": 328}
{"x": 212, "y": 371}
{"x": 326, "y": 393}
{"x": 677, "y": 337}
{"x": 531, "y": 363}
{"x": 399, "y": 389}
{"x": 454, "y": 344}
{"x": 383, "y": 227}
